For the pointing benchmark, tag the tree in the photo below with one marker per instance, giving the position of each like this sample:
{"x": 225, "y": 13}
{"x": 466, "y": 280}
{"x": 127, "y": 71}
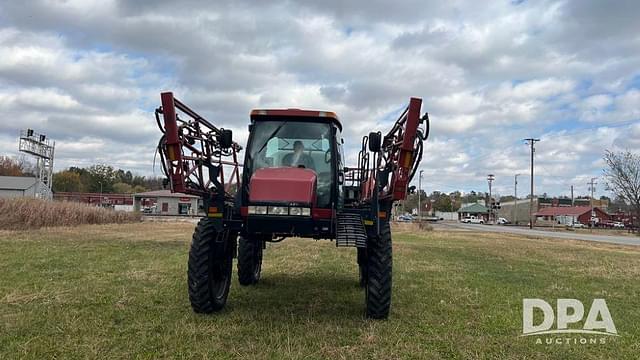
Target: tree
{"x": 122, "y": 188}
{"x": 102, "y": 177}
{"x": 506, "y": 199}
{"x": 622, "y": 177}
{"x": 412, "y": 201}
{"x": 67, "y": 181}
{"x": 10, "y": 167}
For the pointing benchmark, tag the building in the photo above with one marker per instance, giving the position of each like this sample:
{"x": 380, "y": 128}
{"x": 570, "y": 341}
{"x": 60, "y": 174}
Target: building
{"x": 22, "y": 186}
{"x": 567, "y": 202}
{"x": 519, "y": 213}
{"x": 477, "y": 210}
{"x": 164, "y": 202}
{"x": 569, "y": 215}
{"x": 97, "y": 199}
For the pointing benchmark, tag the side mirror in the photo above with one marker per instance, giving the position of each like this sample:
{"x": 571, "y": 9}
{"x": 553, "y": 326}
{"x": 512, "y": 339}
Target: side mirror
{"x": 225, "y": 138}
{"x": 375, "y": 141}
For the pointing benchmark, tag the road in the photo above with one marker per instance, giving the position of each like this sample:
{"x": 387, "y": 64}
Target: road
{"x": 613, "y": 239}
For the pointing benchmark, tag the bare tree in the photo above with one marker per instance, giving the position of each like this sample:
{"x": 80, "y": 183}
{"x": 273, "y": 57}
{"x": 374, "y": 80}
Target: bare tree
{"x": 622, "y": 176}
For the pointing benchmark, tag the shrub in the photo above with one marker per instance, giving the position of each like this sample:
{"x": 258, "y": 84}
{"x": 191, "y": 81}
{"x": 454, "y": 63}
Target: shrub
{"x": 29, "y": 213}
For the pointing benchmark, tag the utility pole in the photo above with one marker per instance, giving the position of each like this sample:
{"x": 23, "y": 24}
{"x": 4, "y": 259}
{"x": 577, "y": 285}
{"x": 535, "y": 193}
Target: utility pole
{"x": 572, "y": 203}
{"x": 419, "y": 193}
{"x": 531, "y": 141}
{"x": 490, "y": 179}
{"x": 100, "y": 182}
{"x": 515, "y": 199}
{"x": 592, "y": 188}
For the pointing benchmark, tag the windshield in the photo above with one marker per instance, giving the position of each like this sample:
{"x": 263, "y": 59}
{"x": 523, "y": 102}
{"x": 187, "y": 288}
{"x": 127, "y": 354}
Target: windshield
{"x": 293, "y": 144}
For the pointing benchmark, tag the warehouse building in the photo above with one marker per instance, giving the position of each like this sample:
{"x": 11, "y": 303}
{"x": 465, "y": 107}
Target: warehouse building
{"x": 22, "y": 186}
{"x": 164, "y": 202}
{"x": 570, "y": 215}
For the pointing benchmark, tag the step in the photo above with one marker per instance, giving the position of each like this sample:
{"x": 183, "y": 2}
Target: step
{"x": 350, "y": 231}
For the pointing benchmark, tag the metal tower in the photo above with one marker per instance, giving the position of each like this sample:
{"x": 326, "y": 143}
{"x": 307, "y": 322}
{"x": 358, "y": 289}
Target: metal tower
{"x": 42, "y": 149}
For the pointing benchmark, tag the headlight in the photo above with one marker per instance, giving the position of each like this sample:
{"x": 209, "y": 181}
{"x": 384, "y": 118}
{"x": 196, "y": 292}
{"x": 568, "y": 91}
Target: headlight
{"x": 278, "y": 210}
{"x": 299, "y": 211}
{"x": 257, "y": 210}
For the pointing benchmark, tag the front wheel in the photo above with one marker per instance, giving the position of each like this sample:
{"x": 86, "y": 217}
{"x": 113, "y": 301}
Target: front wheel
{"x": 379, "y": 274}
{"x": 210, "y": 264}
{"x": 249, "y": 260}
{"x": 362, "y": 266}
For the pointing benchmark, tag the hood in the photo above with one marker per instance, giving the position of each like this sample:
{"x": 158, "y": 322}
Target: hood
{"x": 283, "y": 185}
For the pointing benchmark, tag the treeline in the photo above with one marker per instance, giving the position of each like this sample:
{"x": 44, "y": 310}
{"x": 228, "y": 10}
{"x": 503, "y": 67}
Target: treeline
{"x": 450, "y": 202}
{"x": 103, "y": 178}
{"x": 15, "y": 167}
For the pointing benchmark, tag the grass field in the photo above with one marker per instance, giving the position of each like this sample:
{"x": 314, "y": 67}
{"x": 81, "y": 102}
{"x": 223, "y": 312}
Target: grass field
{"x": 119, "y": 291}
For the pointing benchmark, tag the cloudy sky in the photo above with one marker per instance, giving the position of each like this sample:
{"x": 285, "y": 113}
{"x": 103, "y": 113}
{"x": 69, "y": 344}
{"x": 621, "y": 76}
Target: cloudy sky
{"x": 89, "y": 73}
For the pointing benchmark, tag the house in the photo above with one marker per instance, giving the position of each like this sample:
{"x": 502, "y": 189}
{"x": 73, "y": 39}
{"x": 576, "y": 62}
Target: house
{"x": 476, "y": 210}
{"x": 572, "y": 214}
{"x": 164, "y": 202}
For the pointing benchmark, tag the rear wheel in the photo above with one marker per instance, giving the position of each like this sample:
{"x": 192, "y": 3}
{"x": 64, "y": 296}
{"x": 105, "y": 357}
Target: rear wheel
{"x": 379, "y": 274}
{"x": 249, "y": 260}
{"x": 210, "y": 265}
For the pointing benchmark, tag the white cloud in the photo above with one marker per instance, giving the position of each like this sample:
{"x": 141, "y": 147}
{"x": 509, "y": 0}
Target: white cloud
{"x": 88, "y": 73}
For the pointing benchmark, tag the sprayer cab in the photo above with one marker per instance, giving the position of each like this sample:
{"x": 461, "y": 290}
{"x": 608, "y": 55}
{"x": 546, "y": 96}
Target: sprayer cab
{"x": 290, "y": 172}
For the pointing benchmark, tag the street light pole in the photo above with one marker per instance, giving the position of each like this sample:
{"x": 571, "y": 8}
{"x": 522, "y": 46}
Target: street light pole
{"x": 592, "y": 188}
{"x": 515, "y": 199}
{"x": 419, "y": 194}
{"x": 490, "y": 178}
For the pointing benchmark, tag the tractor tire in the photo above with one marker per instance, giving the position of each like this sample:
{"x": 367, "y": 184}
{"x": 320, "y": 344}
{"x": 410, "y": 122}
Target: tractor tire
{"x": 210, "y": 265}
{"x": 379, "y": 274}
{"x": 362, "y": 266}
{"x": 249, "y": 260}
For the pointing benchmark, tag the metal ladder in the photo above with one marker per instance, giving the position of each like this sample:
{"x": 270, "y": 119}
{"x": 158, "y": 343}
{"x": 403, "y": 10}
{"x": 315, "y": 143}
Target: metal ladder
{"x": 350, "y": 230}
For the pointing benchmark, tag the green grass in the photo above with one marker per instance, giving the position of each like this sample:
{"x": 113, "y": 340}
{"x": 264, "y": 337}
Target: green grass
{"x": 119, "y": 291}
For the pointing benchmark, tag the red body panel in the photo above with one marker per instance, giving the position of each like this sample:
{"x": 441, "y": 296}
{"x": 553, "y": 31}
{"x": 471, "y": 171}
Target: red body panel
{"x": 286, "y": 184}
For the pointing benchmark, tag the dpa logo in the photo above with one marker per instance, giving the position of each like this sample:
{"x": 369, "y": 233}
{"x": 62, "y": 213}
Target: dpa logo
{"x": 568, "y": 311}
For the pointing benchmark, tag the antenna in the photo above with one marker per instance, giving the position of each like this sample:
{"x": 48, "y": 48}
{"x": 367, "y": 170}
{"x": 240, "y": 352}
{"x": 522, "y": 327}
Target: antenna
{"x": 42, "y": 148}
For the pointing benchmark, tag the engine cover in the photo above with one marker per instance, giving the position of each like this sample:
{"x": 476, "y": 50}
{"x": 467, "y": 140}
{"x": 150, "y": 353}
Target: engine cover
{"x": 283, "y": 185}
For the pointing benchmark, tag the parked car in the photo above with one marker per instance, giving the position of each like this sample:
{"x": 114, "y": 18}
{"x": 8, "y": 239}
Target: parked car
{"x": 578, "y": 225}
{"x": 618, "y": 225}
{"x": 472, "y": 220}
{"x": 502, "y": 221}
{"x": 405, "y": 218}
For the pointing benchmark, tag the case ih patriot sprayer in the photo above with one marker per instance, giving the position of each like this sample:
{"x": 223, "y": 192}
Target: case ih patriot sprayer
{"x": 294, "y": 183}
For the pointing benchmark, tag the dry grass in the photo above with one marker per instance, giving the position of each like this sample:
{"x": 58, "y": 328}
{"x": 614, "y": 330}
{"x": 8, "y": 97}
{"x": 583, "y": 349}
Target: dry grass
{"x": 410, "y": 227}
{"x": 28, "y": 213}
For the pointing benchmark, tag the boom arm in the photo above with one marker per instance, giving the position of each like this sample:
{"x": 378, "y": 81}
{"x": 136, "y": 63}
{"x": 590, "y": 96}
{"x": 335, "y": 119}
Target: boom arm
{"x": 189, "y": 147}
{"x": 385, "y": 174}
{"x": 402, "y": 150}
